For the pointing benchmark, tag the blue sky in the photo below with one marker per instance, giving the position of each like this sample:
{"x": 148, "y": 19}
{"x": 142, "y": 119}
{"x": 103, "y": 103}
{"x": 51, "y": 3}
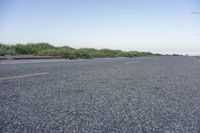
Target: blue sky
{"x": 165, "y": 26}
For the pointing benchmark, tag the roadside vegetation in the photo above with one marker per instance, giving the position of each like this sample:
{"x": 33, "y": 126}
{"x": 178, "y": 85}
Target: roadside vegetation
{"x": 45, "y": 49}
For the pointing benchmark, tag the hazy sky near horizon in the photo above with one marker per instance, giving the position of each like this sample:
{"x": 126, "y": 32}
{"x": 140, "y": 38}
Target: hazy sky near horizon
{"x": 164, "y": 26}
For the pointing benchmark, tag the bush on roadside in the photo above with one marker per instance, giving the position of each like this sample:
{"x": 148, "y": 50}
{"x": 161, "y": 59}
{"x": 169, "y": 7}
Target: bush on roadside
{"x": 32, "y": 48}
{"x": 109, "y": 52}
{"x": 66, "y": 53}
{"x": 6, "y": 50}
{"x": 83, "y": 53}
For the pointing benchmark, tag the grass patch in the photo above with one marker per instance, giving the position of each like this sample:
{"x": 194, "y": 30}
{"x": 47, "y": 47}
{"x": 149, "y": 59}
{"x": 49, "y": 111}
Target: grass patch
{"x": 45, "y": 49}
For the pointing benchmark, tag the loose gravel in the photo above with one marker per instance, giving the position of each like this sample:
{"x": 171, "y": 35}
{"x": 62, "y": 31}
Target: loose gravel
{"x": 145, "y": 94}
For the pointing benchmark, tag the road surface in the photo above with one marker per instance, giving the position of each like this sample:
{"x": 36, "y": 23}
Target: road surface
{"x": 145, "y": 94}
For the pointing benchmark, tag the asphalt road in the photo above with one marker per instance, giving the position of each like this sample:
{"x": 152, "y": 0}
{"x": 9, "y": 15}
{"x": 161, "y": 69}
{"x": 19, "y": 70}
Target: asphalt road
{"x": 147, "y": 94}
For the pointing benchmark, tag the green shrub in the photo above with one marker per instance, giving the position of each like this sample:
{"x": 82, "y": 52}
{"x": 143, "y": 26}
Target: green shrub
{"x": 83, "y": 53}
{"x": 6, "y": 50}
{"x": 32, "y": 48}
{"x": 2, "y": 52}
{"x": 125, "y": 54}
{"x": 67, "y": 47}
{"x": 68, "y": 54}
{"x": 109, "y": 52}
